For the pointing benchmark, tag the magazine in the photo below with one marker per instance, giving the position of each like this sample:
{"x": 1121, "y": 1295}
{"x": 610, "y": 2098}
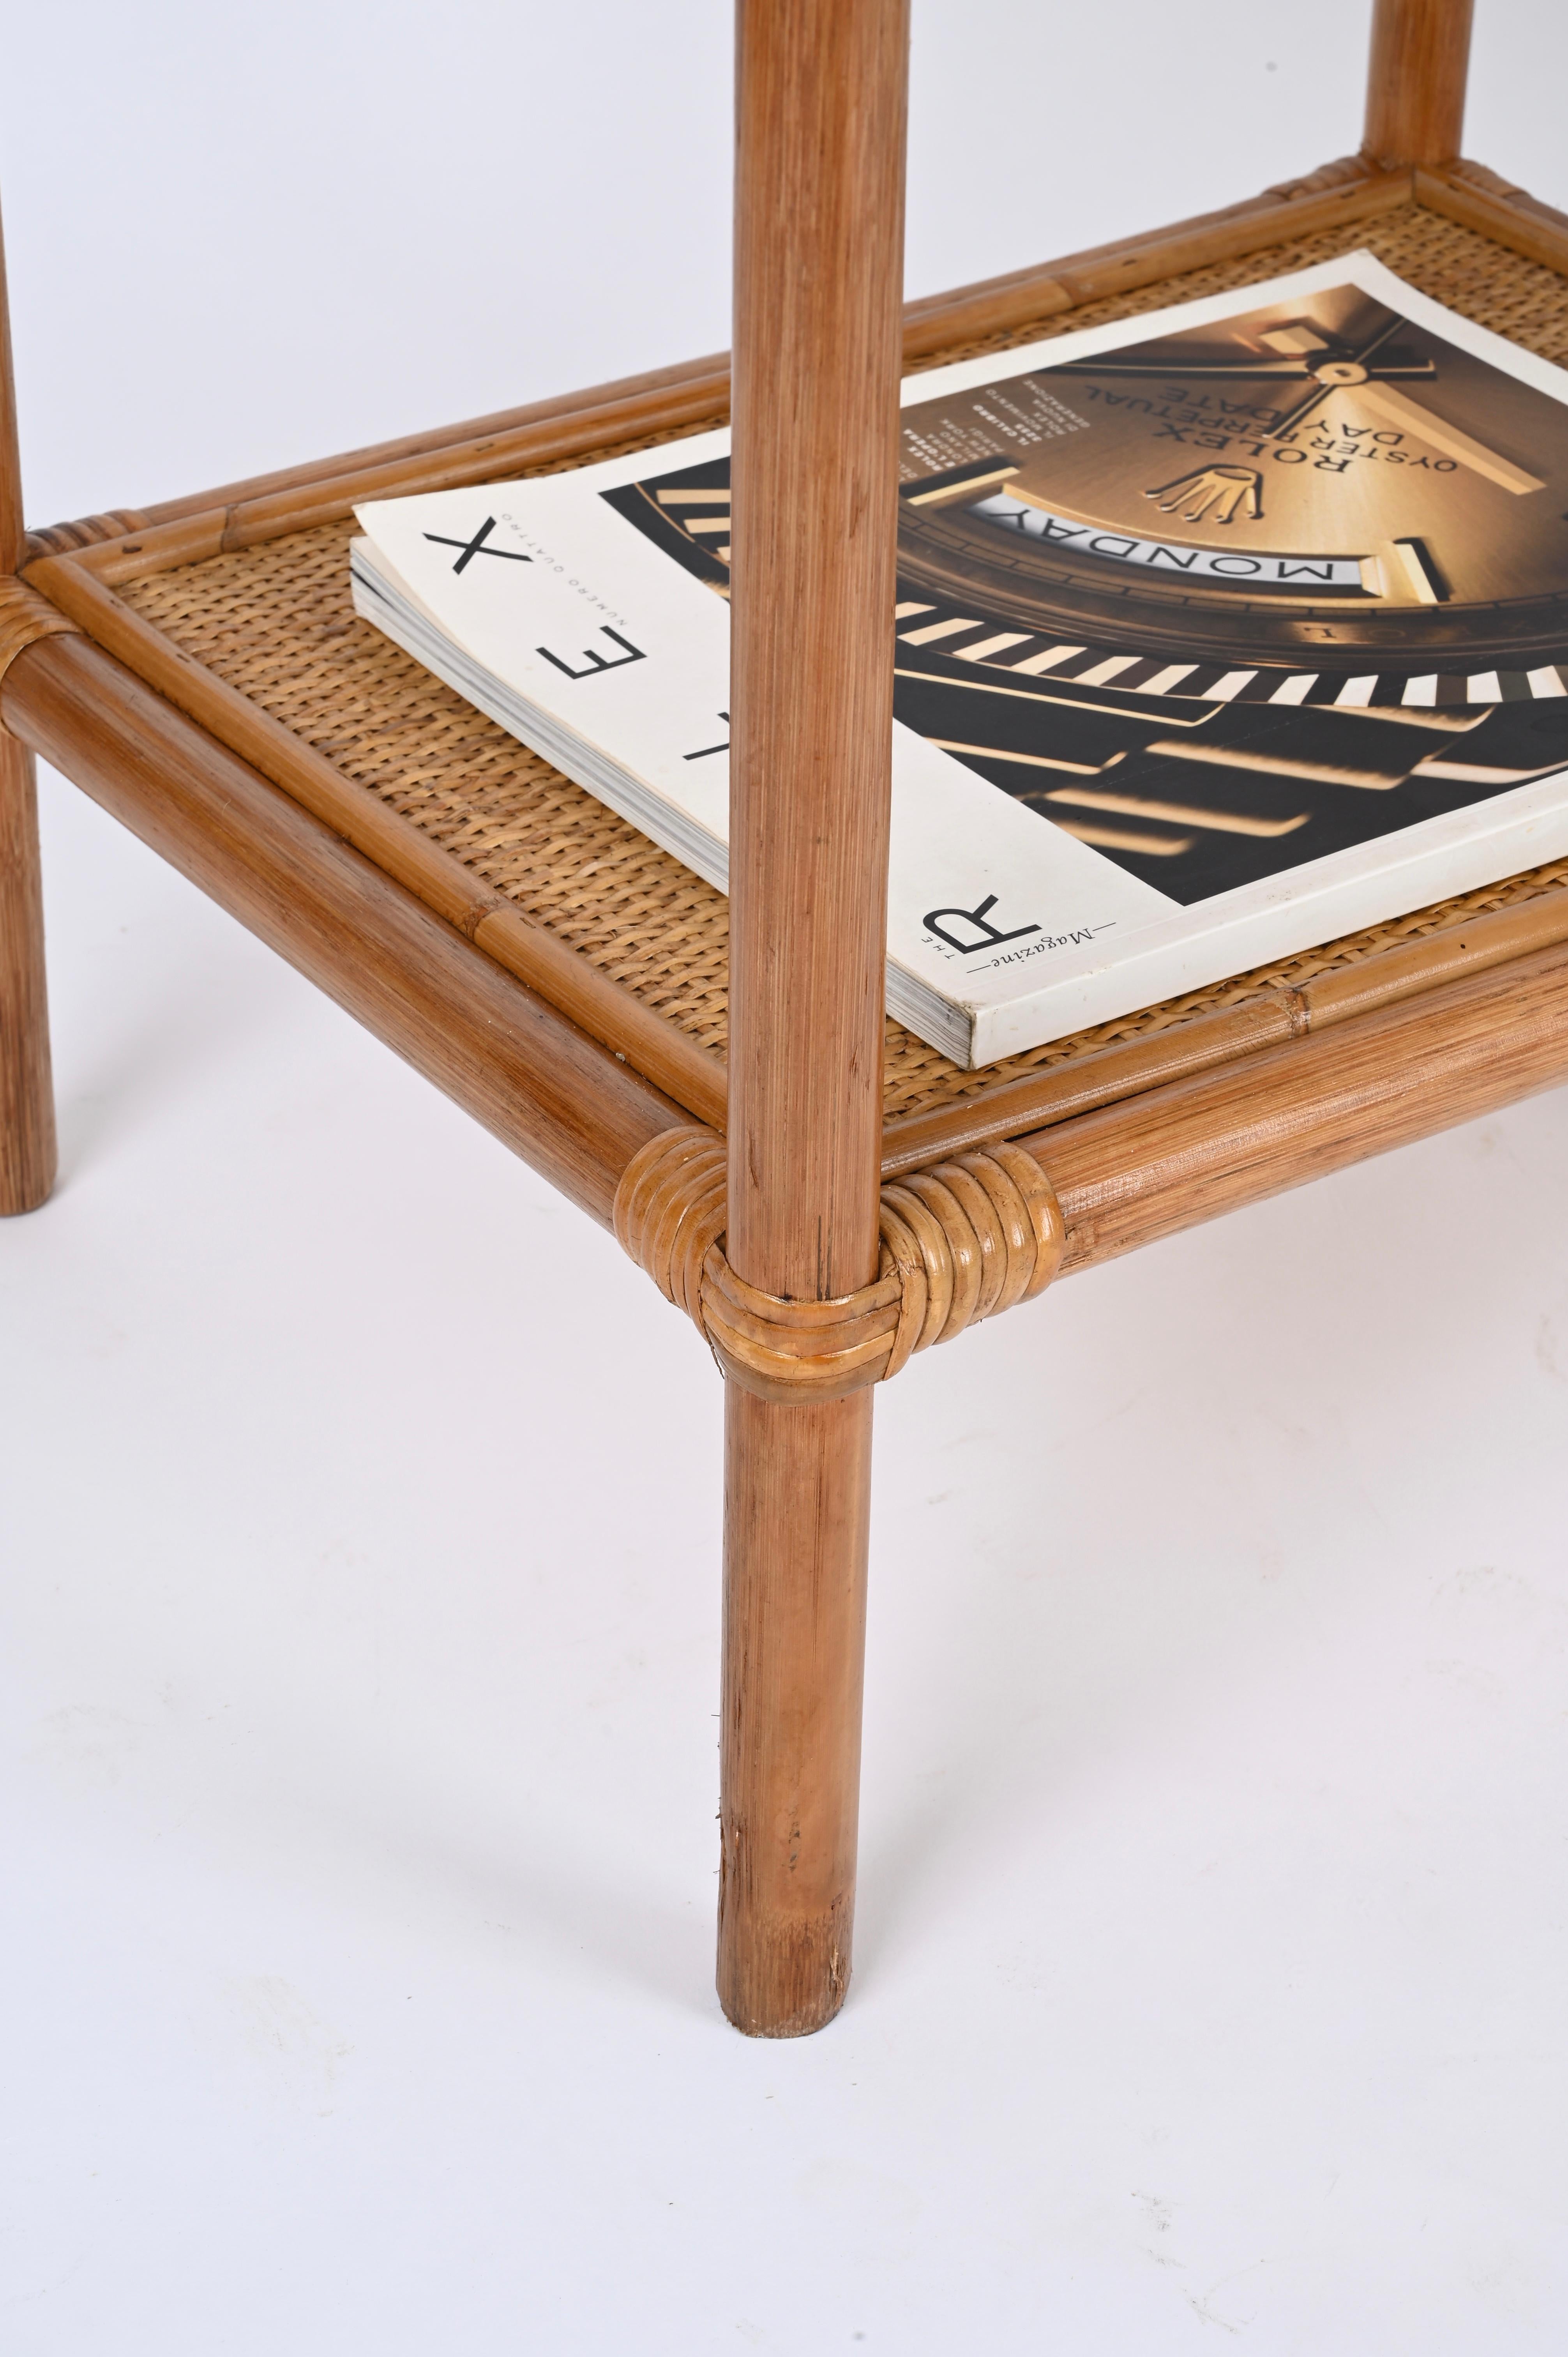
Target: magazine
{"x": 1220, "y": 632}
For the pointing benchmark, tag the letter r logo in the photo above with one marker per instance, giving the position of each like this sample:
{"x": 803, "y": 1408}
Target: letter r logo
{"x": 988, "y": 937}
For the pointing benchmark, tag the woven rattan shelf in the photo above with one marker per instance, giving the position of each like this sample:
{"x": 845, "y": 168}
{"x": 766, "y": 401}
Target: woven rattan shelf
{"x": 199, "y": 670}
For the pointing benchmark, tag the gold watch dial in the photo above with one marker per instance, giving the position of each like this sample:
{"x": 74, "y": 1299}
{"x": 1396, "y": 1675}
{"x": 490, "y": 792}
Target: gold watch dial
{"x": 1317, "y": 477}
{"x": 1227, "y": 602}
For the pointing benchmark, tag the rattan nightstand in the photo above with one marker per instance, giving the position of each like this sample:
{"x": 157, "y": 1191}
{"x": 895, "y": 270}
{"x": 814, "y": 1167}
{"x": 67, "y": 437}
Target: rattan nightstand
{"x": 198, "y": 669}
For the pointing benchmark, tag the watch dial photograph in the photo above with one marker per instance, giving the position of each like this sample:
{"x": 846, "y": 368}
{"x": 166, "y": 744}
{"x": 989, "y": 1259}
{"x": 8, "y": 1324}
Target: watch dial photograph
{"x": 1229, "y": 599}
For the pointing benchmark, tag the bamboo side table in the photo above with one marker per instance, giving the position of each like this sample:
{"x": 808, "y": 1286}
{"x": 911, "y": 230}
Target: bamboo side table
{"x": 823, "y": 1194}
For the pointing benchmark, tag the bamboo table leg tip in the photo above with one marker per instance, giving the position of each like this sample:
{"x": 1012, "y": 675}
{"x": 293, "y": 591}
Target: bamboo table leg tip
{"x": 23, "y": 1191}
{"x": 785, "y": 1978}
{"x": 797, "y": 1521}
{"x": 28, "y": 1162}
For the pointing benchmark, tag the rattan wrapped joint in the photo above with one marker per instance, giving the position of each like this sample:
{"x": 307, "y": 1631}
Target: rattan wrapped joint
{"x": 959, "y": 1242}
{"x": 24, "y": 618}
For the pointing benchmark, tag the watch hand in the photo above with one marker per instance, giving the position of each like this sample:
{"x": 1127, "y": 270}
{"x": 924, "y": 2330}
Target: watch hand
{"x": 1293, "y": 417}
{"x": 1307, "y": 361}
{"x": 1242, "y": 370}
{"x": 1384, "y": 332}
{"x": 1386, "y": 401}
{"x": 1347, "y": 375}
{"x": 1242, "y": 365}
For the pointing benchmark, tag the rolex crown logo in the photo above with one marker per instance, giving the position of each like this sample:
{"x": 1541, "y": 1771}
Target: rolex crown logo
{"x": 1230, "y": 491}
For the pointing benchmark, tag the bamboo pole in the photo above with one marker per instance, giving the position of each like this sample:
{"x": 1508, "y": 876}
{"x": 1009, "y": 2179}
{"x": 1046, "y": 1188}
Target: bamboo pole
{"x": 1415, "y": 82}
{"x": 26, "y": 1089}
{"x": 821, "y": 96}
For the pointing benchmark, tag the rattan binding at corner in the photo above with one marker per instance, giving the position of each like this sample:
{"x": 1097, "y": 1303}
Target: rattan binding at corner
{"x": 959, "y": 1242}
{"x": 25, "y": 618}
{"x": 84, "y": 531}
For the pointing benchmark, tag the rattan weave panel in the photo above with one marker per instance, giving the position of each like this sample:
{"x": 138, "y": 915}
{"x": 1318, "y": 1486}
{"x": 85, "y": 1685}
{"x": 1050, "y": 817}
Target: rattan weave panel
{"x": 275, "y": 622}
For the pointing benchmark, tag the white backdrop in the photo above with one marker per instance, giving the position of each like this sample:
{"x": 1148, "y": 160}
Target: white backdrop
{"x": 360, "y": 1599}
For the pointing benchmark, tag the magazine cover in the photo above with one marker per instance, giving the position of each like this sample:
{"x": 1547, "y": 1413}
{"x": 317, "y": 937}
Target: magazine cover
{"x": 1218, "y": 632}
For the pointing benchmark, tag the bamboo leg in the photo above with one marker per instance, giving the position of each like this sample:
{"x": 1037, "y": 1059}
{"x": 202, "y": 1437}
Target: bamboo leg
{"x": 797, "y": 1517}
{"x": 27, "y": 1097}
{"x": 818, "y": 246}
{"x": 1415, "y": 82}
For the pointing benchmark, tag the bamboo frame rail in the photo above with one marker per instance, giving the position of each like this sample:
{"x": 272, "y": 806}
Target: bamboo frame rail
{"x": 1188, "y": 1152}
{"x": 1482, "y": 200}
